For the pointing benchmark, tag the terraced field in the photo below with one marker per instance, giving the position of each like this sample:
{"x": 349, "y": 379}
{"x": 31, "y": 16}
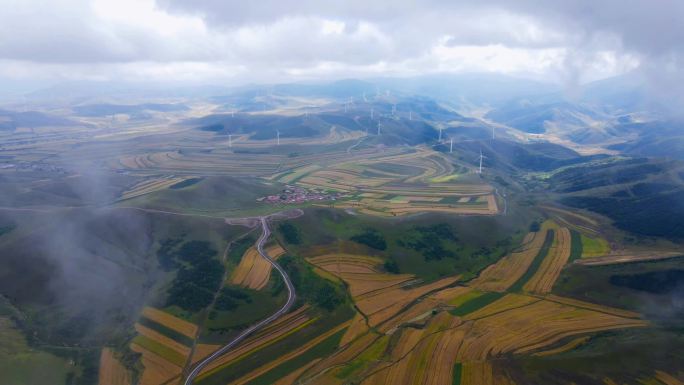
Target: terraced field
{"x": 253, "y": 271}
{"x": 446, "y": 332}
{"x": 401, "y": 184}
{"x": 165, "y": 342}
{"x": 150, "y": 186}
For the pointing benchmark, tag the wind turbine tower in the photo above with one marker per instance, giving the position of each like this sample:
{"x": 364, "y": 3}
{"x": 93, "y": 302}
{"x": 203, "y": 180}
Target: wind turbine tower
{"x": 440, "y": 134}
{"x": 379, "y": 128}
{"x": 451, "y": 145}
{"x": 277, "y": 137}
{"x": 481, "y": 157}
{"x": 230, "y": 140}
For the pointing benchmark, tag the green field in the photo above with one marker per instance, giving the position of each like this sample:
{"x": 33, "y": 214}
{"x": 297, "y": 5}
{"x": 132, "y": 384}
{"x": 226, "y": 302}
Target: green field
{"x": 221, "y": 325}
{"x": 594, "y": 284}
{"x": 477, "y": 302}
{"x": 160, "y": 350}
{"x": 253, "y": 360}
{"x": 372, "y": 354}
{"x": 19, "y": 363}
{"x": 594, "y": 247}
{"x": 324, "y": 348}
{"x": 473, "y": 243}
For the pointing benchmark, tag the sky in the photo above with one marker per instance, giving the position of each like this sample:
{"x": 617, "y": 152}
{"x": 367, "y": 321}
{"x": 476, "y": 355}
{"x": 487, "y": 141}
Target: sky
{"x": 234, "y": 42}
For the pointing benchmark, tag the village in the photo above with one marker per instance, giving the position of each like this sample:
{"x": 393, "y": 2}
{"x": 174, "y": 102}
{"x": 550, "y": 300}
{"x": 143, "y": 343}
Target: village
{"x": 294, "y": 194}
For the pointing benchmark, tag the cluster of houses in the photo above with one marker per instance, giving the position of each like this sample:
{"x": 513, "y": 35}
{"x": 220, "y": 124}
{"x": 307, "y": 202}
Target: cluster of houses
{"x": 295, "y": 194}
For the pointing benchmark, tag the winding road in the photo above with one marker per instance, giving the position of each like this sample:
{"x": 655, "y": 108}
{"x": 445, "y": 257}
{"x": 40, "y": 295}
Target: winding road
{"x": 291, "y": 297}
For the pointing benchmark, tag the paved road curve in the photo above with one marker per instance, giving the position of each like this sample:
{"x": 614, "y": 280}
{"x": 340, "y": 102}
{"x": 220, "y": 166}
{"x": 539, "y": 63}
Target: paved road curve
{"x": 291, "y": 296}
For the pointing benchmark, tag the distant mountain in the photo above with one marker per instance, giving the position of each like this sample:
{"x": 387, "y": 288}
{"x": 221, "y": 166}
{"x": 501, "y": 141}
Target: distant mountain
{"x": 93, "y": 110}
{"x": 657, "y": 138}
{"x": 643, "y": 196}
{"x": 513, "y": 156}
{"x": 11, "y": 120}
{"x": 262, "y": 126}
{"x": 474, "y": 88}
{"x": 619, "y": 94}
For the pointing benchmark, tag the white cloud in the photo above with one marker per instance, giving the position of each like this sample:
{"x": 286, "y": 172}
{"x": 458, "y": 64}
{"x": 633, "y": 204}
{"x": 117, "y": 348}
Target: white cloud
{"x": 239, "y": 41}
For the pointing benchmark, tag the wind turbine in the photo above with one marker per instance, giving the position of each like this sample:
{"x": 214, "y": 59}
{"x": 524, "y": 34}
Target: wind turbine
{"x": 481, "y": 157}
{"x": 277, "y": 137}
{"x": 230, "y": 140}
{"x": 451, "y": 145}
{"x": 379, "y": 124}
{"x": 440, "y": 134}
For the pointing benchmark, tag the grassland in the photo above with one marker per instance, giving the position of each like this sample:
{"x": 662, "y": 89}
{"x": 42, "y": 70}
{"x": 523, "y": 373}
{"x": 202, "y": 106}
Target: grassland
{"x": 430, "y": 246}
{"x": 18, "y": 361}
{"x": 594, "y": 247}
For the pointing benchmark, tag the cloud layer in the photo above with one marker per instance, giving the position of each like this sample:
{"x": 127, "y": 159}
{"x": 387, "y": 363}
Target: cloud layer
{"x": 241, "y": 41}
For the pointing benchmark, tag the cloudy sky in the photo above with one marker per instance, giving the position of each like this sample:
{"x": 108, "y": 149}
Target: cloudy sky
{"x": 208, "y": 41}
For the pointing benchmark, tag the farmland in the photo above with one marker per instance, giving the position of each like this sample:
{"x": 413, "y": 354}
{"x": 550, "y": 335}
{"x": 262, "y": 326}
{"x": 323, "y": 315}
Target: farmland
{"x": 253, "y": 271}
{"x": 423, "y": 183}
{"x": 129, "y": 249}
{"x": 416, "y": 339}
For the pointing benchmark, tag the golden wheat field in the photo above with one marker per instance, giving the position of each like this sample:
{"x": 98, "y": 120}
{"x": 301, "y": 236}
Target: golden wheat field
{"x": 157, "y": 370}
{"x": 111, "y": 371}
{"x": 503, "y": 274}
{"x": 543, "y": 280}
{"x": 184, "y": 327}
{"x": 426, "y": 341}
{"x": 254, "y": 271}
{"x": 162, "y": 339}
